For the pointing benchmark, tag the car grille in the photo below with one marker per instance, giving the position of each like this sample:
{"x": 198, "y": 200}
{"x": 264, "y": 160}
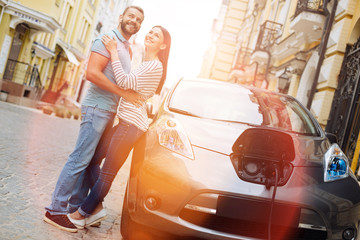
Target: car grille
{"x": 249, "y": 218}
{"x": 247, "y": 228}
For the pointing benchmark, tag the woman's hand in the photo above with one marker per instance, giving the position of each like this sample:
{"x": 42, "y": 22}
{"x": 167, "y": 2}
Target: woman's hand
{"x": 110, "y": 43}
{"x": 134, "y": 97}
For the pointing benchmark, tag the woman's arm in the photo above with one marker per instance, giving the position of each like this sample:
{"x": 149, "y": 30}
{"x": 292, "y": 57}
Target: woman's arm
{"x": 95, "y": 75}
{"x": 144, "y": 79}
{"x": 111, "y": 46}
{"x": 121, "y": 77}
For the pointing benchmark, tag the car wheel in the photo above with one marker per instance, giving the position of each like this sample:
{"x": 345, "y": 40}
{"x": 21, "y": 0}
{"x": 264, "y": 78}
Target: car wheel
{"x": 129, "y": 229}
{"x": 126, "y": 222}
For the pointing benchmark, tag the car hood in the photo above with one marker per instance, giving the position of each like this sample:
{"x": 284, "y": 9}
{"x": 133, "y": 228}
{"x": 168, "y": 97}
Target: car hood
{"x": 220, "y": 137}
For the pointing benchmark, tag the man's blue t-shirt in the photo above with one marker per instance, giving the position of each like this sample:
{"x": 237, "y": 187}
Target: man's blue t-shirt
{"x": 96, "y": 96}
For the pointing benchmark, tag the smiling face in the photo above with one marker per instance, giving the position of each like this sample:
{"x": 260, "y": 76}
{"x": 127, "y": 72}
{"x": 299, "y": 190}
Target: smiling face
{"x": 130, "y": 22}
{"x": 154, "y": 40}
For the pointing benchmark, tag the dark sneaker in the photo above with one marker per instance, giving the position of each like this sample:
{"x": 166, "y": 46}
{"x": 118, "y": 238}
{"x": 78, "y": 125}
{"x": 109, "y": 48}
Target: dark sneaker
{"x": 60, "y": 221}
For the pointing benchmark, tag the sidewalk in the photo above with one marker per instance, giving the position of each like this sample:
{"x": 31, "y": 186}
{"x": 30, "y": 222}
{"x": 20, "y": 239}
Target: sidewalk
{"x": 33, "y": 149}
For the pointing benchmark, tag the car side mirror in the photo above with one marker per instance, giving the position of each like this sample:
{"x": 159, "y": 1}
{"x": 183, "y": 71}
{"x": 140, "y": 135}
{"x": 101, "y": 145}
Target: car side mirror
{"x": 149, "y": 110}
{"x": 332, "y": 137}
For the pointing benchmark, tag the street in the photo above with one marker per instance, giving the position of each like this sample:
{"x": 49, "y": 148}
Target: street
{"x": 33, "y": 150}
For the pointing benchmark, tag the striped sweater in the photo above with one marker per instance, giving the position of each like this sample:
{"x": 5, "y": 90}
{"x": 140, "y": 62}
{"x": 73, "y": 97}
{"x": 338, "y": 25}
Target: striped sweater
{"x": 144, "y": 80}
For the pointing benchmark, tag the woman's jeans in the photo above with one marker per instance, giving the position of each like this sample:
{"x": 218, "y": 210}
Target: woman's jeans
{"x": 123, "y": 140}
{"x": 93, "y": 124}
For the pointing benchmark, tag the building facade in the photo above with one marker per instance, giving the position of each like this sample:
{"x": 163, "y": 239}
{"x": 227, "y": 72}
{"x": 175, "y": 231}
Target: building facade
{"x": 43, "y": 47}
{"x": 19, "y": 25}
{"x": 306, "y": 48}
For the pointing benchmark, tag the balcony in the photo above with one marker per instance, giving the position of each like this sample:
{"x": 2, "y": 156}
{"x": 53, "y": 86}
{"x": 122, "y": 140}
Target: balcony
{"x": 269, "y": 33}
{"x": 309, "y": 19}
{"x": 239, "y": 72}
{"x": 242, "y": 58}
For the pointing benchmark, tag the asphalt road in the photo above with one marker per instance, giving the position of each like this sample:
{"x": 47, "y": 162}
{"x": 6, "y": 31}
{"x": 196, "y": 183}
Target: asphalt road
{"x": 33, "y": 149}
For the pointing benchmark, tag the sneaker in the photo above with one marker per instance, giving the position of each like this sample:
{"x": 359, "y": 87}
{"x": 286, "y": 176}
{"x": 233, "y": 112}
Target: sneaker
{"x": 78, "y": 223}
{"x": 98, "y": 217}
{"x": 60, "y": 221}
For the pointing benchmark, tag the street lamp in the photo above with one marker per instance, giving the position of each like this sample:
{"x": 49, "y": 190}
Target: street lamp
{"x": 283, "y": 82}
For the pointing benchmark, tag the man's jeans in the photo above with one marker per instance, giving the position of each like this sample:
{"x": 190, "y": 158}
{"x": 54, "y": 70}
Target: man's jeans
{"x": 93, "y": 124}
{"x": 88, "y": 177}
{"x": 123, "y": 140}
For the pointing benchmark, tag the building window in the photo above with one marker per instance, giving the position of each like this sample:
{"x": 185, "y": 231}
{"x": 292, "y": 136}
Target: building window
{"x": 65, "y": 18}
{"x": 84, "y": 29}
{"x": 68, "y": 19}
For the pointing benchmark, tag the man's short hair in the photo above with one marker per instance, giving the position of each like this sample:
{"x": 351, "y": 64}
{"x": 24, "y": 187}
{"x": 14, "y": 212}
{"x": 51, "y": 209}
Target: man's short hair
{"x": 135, "y": 7}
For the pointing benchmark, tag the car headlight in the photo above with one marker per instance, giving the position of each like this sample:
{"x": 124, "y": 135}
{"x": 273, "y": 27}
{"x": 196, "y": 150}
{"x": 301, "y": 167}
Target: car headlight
{"x": 336, "y": 164}
{"x": 172, "y": 136}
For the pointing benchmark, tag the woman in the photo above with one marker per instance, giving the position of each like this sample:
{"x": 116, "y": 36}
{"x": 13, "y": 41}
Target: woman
{"x": 148, "y": 79}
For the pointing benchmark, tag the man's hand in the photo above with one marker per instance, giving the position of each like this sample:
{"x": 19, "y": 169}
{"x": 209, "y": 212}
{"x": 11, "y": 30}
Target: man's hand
{"x": 134, "y": 97}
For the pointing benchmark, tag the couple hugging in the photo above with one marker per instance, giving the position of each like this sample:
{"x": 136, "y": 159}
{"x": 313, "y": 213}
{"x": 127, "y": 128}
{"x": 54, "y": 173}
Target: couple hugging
{"x": 115, "y": 90}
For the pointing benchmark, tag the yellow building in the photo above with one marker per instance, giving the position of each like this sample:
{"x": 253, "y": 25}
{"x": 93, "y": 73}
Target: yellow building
{"x": 43, "y": 47}
{"x": 219, "y": 59}
{"x": 309, "y": 49}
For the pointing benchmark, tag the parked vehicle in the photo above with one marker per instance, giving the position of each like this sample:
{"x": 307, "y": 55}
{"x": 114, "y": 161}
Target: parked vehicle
{"x": 225, "y": 161}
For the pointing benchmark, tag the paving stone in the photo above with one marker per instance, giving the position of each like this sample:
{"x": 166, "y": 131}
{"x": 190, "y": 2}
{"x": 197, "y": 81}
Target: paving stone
{"x": 33, "y": 149}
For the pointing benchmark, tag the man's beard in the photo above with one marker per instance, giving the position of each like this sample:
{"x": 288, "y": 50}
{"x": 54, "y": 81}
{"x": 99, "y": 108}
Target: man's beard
{"x": 126, "y": 31}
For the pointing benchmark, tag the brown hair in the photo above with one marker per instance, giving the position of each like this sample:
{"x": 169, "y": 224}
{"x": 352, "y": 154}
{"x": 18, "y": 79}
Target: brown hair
{"x": 164, "y": 56}
{"x": 135, "y": 7}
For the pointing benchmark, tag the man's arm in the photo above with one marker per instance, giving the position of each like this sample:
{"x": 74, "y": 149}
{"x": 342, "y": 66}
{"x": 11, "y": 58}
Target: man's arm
{"x": 94, "y": 74}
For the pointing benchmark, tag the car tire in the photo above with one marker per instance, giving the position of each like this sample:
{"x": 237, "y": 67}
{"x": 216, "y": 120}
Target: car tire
{"x": 126, "y": 222}
{"x": 129, "y": 229}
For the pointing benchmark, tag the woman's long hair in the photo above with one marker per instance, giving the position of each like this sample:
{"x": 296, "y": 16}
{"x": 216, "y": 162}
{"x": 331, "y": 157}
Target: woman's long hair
{"x": 164, "y": 56}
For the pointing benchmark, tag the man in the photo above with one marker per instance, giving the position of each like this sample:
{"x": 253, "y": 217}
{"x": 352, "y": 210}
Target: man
{"x": 98, "y": 111}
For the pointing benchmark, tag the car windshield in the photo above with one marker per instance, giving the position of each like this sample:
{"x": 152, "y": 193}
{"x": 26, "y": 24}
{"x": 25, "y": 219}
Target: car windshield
{"x": 234, "y": 103}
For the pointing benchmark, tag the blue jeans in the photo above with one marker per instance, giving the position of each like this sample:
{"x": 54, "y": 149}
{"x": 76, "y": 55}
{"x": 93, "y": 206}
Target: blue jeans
{"x": 88, "y": 177}
{"x": 79, "y": 193}
{"x": 123, "y": 140}
{"x": 94, "y": 122}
